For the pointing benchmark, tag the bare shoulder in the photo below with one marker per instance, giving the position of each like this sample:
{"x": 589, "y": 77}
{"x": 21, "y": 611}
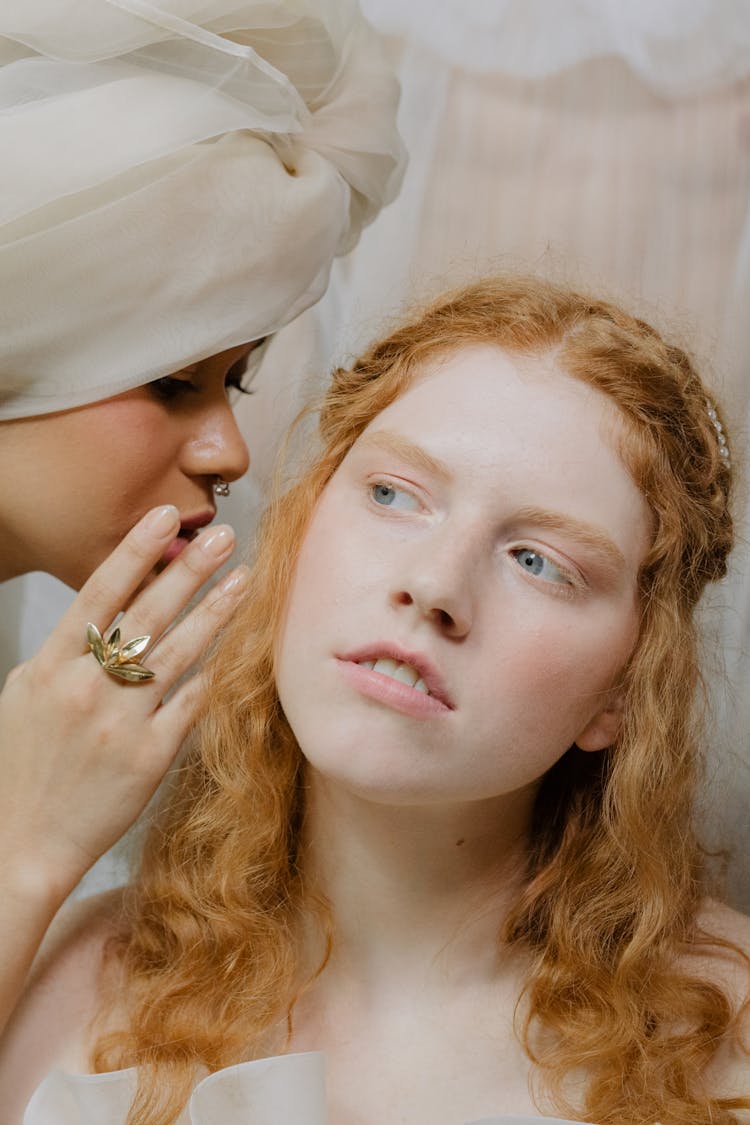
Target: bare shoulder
{"x": 729, "y": 963}
{"x": 730, "y": 923}
{"x": 51, "y": 1027}
{"x": 729, "y": 967}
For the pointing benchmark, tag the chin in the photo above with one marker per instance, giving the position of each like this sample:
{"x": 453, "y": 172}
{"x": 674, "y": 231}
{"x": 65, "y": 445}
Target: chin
{"x": 72, "y": 577}
{"x": 379, "y": 781}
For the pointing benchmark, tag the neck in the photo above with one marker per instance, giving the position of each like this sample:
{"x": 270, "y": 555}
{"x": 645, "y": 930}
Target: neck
{"x": 420, "y": 890}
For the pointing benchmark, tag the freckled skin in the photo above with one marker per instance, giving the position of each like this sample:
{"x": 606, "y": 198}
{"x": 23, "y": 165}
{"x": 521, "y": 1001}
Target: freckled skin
{"x": 530, "y": 663}
{"x": 82, "y": 478}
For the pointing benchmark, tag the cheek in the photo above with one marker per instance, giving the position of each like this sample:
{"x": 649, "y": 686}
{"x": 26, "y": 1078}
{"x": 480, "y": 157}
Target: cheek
{"x": 120, "y": 456}
{"x": 577, "y": 643}
{"x": 555, "y": 676}
{"x": 139, "y": 431}
{"x": 309, "y": 605}
{"x": 328, "y": 590}
{"x": 128, "y": 446}
{"x": 329, "y": 567}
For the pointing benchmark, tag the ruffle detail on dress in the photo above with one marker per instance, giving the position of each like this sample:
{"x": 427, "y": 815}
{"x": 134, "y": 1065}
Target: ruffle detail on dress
{"x": 283, "y": 1090}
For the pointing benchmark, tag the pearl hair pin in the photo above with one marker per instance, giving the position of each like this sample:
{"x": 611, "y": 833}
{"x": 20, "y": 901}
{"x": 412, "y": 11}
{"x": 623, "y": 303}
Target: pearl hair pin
{"x": 723, "y": 447}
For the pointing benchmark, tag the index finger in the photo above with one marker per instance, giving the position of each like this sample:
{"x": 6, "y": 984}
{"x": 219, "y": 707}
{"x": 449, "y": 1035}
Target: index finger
{"x": 112, "y": 584}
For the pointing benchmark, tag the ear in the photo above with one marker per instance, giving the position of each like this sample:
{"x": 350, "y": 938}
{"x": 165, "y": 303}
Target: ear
{"x": 603, "y": 729}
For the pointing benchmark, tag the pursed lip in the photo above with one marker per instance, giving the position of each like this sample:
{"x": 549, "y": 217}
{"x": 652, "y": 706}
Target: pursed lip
{"x": 189, "y": 528}
{"x": 421, "y": 664}
{"x": 193, "y": 523}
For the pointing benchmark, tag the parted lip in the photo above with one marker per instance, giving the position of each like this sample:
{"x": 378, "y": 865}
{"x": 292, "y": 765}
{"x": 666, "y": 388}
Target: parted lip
{"x": 417, "y": 660}
{"x": 193, "y": 523}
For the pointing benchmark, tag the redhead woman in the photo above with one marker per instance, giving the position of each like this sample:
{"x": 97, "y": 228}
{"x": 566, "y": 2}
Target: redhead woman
{"x": 435, "y": 834}
{"x": 177, "y": 181}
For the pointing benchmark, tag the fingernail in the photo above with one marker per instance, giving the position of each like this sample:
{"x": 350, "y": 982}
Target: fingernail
{"x": 217, "y": 541}
{"x": 161, "y": 520}
{"x": 234, "y": 582}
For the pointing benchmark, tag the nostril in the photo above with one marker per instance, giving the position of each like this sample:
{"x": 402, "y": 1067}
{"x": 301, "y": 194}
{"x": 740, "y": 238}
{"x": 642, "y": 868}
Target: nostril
{"x": 445, "y": 619}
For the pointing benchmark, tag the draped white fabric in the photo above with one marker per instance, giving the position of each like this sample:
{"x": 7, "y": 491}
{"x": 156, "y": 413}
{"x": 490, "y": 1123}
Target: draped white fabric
{"x": 178, "y": 177}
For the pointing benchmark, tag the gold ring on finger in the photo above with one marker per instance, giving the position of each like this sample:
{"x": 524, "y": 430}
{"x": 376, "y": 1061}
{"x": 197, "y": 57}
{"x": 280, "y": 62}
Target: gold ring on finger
{"x": 121, "y": 662}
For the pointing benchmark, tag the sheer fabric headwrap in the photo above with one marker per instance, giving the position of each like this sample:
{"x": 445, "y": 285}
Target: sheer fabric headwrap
{"x": 177, "y": 178}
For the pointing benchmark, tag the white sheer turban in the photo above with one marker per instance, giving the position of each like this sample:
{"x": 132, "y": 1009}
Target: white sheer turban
{"x": 177, "y": 177}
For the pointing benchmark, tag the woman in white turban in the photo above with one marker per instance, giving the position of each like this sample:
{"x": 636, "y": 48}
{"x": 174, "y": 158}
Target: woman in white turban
{"x": 177, "y": 179}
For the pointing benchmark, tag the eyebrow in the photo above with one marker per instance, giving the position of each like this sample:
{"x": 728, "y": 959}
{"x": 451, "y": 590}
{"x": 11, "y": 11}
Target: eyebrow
{"x": 585, "y": 533}
{"x": 582, "y": 532}
{"x": 392, "y": 442}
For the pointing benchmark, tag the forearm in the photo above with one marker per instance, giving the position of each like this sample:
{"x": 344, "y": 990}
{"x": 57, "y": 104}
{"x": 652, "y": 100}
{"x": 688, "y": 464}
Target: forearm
{"x": 80, "y": 755}
{"x": 29, "y": 900}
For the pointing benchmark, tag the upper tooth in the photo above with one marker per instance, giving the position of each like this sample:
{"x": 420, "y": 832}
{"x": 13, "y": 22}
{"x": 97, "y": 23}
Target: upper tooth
{"x": 403, "y": 672}
{"x": 406, "y": 674}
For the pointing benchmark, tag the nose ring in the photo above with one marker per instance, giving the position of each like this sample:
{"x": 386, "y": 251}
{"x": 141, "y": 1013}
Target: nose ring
{"x": 221, "y": 488}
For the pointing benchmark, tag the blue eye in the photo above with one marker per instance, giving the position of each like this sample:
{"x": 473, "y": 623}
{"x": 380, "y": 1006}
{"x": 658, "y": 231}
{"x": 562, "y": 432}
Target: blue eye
{"x": 383, "y": 494}
{"x": 538, "y": 565}
{"x": 388, "y": 496}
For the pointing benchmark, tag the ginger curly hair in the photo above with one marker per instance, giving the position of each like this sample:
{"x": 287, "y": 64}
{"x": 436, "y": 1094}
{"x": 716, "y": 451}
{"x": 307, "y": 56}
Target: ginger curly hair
{"x": 615, "y": 875}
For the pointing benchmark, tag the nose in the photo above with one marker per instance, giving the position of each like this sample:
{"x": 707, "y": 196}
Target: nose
{"x": 437, "y": 585}
{"x": 217, "y": 448}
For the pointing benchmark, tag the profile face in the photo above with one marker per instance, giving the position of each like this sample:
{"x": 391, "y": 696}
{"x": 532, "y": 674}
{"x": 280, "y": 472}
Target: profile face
{"x": 89, "y": 474}
{"x": 483, "y": 537}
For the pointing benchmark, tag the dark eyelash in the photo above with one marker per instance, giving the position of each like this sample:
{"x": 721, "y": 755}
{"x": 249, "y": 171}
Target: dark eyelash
{"x": 168, "y": 387}
{"x": 250, "y": 362}
{"x": 235, "y": 375}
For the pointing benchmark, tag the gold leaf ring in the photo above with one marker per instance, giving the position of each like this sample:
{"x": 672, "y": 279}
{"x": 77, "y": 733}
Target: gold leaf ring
{"x": 120, "y": 662}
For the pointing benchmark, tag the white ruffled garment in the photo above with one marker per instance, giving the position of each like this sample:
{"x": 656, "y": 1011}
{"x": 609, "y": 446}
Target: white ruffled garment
{"x": 283, "y": 1090}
